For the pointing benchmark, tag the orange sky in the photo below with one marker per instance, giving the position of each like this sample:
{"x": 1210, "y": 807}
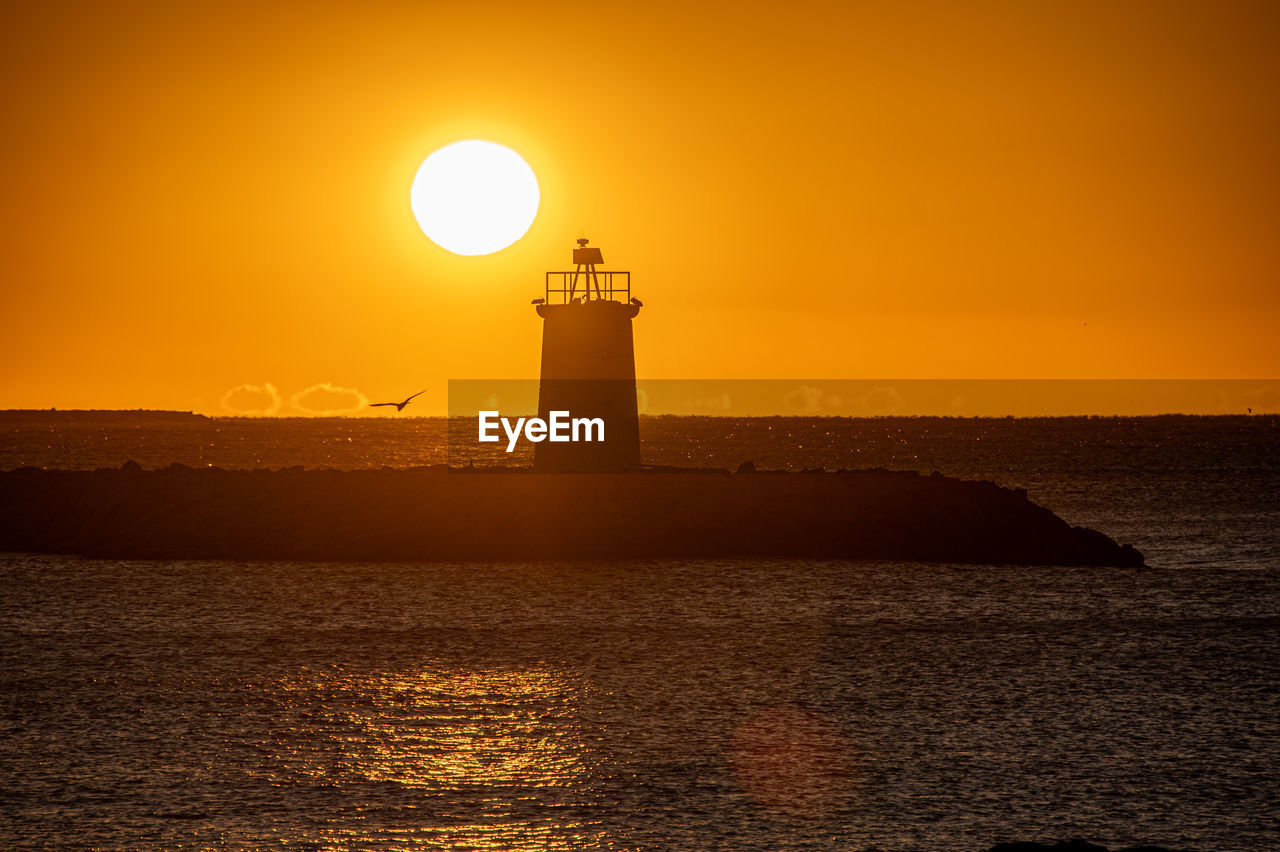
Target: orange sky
{"x": 198, "y": 199}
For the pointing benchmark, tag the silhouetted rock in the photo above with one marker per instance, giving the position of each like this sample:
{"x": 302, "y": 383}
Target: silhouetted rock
{"x": 747, "y": 466}
{"x": 1074, "y": 845}
{"x": 434, "y": 514}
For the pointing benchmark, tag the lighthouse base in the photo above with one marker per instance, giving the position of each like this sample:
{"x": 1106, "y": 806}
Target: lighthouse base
{"x": 589, "y": 372}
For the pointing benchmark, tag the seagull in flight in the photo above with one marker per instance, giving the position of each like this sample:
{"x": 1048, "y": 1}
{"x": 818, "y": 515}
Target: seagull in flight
{"x": 399, "y": 405}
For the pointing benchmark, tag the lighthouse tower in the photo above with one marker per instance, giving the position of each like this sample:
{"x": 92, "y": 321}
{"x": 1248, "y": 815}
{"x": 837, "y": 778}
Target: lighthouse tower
{"x": 589, "y": 365}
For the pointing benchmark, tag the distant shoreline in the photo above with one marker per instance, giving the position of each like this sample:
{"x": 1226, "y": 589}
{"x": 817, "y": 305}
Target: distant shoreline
{"x": 58, "y": 413}
{"x": 30, "y": 414}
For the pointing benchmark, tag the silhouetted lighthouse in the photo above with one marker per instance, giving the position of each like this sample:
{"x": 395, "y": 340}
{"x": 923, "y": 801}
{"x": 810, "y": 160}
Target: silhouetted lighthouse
{"x": 589, "y": 365}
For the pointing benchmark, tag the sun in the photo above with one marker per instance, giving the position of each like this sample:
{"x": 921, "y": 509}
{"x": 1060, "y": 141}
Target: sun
{"x": 474, "y": 197}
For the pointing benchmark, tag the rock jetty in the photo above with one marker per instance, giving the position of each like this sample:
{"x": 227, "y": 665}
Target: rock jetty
{"x": 438, "y": 514}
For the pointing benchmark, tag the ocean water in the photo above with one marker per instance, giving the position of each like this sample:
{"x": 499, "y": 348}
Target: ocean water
{"x": 683, "y": 705}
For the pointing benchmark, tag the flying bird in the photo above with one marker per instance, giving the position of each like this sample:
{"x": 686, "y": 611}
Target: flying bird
{"x": 399, "y": 405}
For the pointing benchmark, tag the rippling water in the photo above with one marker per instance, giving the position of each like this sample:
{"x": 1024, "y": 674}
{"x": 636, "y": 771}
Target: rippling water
{"x": 742, "y": 705}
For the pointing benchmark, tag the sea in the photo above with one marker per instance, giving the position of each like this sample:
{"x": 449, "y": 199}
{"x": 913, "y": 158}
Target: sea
{"x": 662, "y": 705}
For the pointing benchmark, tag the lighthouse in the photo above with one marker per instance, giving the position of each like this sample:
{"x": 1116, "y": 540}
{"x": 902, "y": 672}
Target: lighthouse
{"x": 589, "y": 365}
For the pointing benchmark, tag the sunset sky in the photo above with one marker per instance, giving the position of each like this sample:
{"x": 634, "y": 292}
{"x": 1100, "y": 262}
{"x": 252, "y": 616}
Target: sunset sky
{"x": 199, "y": 199}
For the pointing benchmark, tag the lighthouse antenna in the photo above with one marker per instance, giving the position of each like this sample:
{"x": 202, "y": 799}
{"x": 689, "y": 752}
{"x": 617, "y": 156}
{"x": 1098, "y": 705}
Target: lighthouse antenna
{"x": 598, "y": 285}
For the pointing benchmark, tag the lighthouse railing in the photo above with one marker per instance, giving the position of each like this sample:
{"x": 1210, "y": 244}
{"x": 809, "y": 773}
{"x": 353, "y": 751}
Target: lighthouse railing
{"x": 613, "y": 286}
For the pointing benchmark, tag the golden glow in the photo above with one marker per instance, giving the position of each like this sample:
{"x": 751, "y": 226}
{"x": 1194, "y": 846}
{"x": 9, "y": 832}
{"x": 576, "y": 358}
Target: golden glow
{"x": 474, "y": 197}
{"x": 483, "y": 735}
{"x": 830, "y": 190}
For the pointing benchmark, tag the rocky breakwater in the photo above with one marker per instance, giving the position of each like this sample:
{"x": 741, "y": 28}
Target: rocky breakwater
{"x": 437, "y": 514}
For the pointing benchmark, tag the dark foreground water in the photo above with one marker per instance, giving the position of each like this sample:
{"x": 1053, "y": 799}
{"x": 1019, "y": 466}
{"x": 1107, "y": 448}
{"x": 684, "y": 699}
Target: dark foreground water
{"x": 740, "y": 706}
{"x": 678, "y": 705}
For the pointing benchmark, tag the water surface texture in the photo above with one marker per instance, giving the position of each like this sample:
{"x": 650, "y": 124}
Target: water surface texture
{"x": 737, "y": 705}
{"x": 758, "y": 705}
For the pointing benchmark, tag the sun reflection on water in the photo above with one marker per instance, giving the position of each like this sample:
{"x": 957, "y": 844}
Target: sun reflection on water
{"x": 492, "y": 758}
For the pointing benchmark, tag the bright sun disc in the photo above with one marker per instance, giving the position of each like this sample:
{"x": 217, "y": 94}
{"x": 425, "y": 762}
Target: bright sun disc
{"x": 474, "y": 197}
